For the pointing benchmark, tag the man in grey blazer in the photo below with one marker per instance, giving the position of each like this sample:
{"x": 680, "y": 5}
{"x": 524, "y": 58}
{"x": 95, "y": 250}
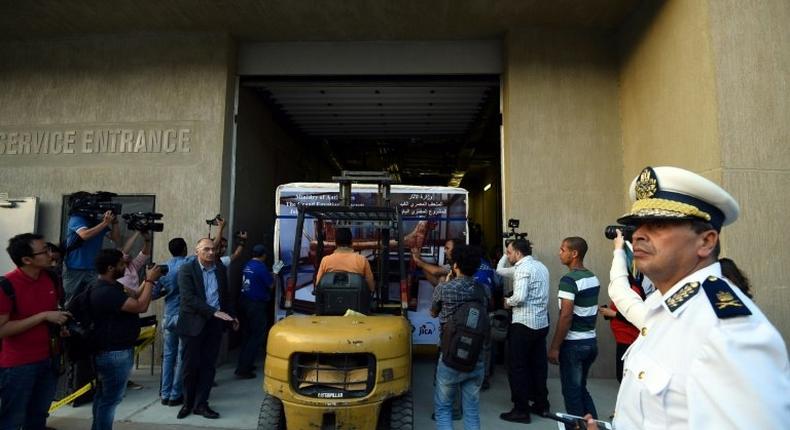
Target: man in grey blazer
{"x": 205, "y": 311}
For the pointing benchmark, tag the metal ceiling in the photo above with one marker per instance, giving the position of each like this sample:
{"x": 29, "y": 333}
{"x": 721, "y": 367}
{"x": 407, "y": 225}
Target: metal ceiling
{"x": 425, "y": 130}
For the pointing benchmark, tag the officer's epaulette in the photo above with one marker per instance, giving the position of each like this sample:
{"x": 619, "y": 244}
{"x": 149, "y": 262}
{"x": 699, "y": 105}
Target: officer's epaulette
{"x": 682, "y": 296}
{"x": 725, "y": 302}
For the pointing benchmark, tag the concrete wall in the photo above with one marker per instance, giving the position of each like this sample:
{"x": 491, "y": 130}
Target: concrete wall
{"x": 145, "y": 82}
{"x": 751, "y": 54}
{"x": 562, "y": 153}
{"x": 704, "y": 86}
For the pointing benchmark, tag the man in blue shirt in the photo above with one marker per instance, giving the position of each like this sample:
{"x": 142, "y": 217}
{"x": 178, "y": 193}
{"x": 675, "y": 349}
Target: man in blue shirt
{"x": 256, "y": 291}
{"x": 79, "y": 263}
{"x": 172, "y": 380}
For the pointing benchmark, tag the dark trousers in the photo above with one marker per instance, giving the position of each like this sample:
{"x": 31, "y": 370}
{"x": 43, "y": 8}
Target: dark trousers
{"x": 621, "y": 348}
{"x": 254, "y": 320}
{"x": 200, "y": 357}
{"x": 528, "y": 367}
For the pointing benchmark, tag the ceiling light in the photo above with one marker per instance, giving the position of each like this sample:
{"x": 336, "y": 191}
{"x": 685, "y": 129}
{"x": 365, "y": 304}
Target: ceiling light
{"x": 487, "y": 187}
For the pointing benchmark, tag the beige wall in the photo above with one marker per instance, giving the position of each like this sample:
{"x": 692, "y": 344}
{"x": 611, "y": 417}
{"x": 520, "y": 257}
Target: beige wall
{"x": 562, "y": 151}
{"x": 751, "y": 54}
{"x": 704, "y": 86}
{"x": 120, "y": 82}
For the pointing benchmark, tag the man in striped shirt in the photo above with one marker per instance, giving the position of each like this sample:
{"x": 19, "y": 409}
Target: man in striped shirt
{"x": 574, "y": 347}
{"x": 528, "y": 368}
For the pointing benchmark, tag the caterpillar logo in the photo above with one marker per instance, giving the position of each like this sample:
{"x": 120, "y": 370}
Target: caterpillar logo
{"x": 331, "y": 395}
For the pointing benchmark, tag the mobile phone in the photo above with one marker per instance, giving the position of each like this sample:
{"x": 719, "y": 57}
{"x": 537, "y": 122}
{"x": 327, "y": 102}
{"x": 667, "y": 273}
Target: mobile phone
{"x": 579, "y": 421}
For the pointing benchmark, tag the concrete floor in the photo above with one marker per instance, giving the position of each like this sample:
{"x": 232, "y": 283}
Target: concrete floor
{"x": 238, "y": 402}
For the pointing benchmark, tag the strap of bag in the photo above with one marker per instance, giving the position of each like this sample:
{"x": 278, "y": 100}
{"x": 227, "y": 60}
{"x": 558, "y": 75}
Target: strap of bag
{"x": 8, "y": 289}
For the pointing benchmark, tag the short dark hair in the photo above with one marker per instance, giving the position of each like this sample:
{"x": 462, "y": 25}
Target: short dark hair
{"x": 456, "y": 242}
{"x": 524, "y": 246}
{"x": 20, "y": 246}
{"x": 343, "y": 236}
{"x": 467, "y": 258}
{"x": 577, "y": 244}
{"x": 700, "y": 227}
{"x": 106, "y": 258}
{"x": 177, "y": 247}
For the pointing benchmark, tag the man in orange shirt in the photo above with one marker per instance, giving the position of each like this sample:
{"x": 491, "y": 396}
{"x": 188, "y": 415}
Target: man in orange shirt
{"x": 344, "y": 259}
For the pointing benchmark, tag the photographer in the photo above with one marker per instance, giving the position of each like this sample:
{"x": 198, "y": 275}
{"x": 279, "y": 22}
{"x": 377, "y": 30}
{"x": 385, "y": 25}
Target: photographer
{"x": 117, "y": 327}
{"x": 28, "y": 305}
{"x": 131, "y": 277}
{"x": 221, "y": 243}
{"x": 84, "y": 239}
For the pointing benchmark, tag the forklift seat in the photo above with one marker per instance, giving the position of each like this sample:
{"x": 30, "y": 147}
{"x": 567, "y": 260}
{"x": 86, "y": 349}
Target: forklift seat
{"x": 340, "y": 291}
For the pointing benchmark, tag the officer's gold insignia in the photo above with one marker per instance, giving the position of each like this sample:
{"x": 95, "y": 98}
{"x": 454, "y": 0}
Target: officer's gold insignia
{"x": 725, "y": 302}
{"x": 726, "y": 299}
{"x": 646, "y": 185}
{"x": 682, "y": 295}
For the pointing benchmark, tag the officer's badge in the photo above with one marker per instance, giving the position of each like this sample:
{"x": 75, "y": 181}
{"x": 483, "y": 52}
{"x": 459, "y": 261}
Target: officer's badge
{"x": 682, "y": 296}
{"x": 725, "y": 302}
{"x": 647, "y": 184}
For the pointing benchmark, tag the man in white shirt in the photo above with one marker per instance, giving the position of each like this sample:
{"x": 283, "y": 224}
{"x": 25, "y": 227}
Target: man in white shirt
{"x": 528, "y": 365}
{"x": 706, "y": 357}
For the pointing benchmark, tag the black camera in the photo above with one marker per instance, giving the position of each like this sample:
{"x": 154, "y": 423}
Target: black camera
{"x": 163, "y": 268}
{"x": 513, "y": 224}
{"x": 215, "y": 220}
{"x": 611, "y": 231}
{"x": 92, "y": 206}
{"x": 143, "y": 221}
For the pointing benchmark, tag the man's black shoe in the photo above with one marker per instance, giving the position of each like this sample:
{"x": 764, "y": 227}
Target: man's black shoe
{"x": 176, "y": 402}
{"x": 184, "y": 412}
{"x": 206, "y": 412}
{"x": 165, "y": 402}
{"x": 515, "y": 416}
{"x": 543, "y": 412}
{"x": 485, "y": 386}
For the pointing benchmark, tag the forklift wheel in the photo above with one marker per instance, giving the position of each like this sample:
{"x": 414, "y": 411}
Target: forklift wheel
{"x": 397, "y": 414}
{"x": 272, "y": 416}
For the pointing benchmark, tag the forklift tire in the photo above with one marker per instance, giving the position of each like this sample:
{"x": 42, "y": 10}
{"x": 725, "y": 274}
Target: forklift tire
{"x": 398, "y": 414}
{"x": 272, "y": 416}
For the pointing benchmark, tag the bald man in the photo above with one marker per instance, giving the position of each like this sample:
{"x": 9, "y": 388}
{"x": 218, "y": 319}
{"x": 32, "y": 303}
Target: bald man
{"x": 206, "y": 310}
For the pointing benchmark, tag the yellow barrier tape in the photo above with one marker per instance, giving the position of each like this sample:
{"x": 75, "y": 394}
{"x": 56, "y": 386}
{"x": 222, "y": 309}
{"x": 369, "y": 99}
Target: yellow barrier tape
{"x": 70, "y": 398}
{"x": 146, "y": 338}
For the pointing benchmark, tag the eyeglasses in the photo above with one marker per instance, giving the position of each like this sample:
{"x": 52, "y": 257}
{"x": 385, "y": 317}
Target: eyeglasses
{"x": 46, "y": 251}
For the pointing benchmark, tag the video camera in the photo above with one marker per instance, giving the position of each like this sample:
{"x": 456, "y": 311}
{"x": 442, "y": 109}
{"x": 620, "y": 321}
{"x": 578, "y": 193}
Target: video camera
{"x": 611, "y": 231}
{"x": 143, "y": 221}
{"x": 92, "y": 206}
{"x": 513, "y": 224}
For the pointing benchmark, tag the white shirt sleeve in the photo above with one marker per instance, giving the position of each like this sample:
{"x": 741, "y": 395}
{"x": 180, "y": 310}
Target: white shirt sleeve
{"x": 741, "y": 379}
{"x": 628, "y": 302}
{"x": 504, "y": 268}
{"x": 520, "y": 285}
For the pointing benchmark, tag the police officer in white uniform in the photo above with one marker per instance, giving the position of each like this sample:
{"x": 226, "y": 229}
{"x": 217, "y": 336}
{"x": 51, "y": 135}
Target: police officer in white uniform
{"x": 707, "y": 358}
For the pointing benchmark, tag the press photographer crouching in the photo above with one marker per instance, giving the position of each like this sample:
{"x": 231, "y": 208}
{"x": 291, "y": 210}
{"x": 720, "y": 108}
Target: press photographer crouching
{"x": 28, "y": 305}
{"x": 116, "y": 328}
{"x": 91, "y": 217}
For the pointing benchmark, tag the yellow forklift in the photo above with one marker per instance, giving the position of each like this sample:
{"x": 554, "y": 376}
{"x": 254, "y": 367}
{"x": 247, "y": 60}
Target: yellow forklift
{"x": 347, "y": 365}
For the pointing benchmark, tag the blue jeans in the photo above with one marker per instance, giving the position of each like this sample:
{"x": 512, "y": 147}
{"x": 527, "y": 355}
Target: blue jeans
{"x": 448, "y": 380}
{"x": 112, "y": 372}
{"x": 576, "y": 357}
{"x": 26, "y": 392}
{"x": 254, "y": 319}
{"x": 172, "y": 373}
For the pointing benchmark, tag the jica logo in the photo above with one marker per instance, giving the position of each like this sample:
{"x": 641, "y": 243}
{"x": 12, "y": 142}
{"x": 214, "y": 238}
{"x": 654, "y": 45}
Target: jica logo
{"x": 427, "y": 329}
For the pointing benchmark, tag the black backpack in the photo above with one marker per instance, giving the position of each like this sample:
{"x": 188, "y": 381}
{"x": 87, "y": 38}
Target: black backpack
{"x": 82, "y": 340}
{"x": 464, "y": 335}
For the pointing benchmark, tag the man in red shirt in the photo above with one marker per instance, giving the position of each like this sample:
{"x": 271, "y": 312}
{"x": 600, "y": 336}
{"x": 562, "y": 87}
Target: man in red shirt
{"x": 27, "y": 375}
